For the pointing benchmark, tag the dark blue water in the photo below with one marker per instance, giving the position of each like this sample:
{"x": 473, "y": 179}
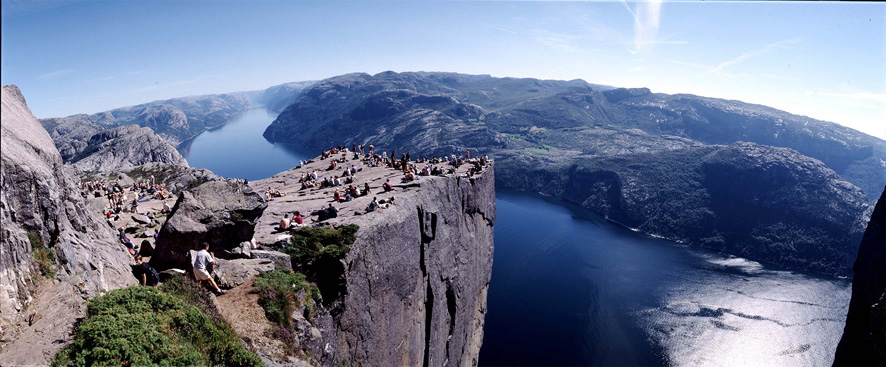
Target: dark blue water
{"x": 570, "y": 288}
{"x": 239, "y": 150}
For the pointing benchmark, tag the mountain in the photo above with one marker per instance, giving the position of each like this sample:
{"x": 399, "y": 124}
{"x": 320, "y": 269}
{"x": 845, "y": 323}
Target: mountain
{"x": 277, "y": 97}
{"x": 125, "y": 147}
{"x": 54, "y": 252}
{"x": 694, "y": 169}
{"x": 176, "y": 120}
{"x": 448, "y": 112}
{"x": 755, "y": 201}
{"x": 864, "y": 337}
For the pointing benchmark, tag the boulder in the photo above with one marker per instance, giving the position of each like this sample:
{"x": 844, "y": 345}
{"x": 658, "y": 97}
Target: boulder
{"x": 280, "y": 259}
{"x": 141, "y": 219}
{"x": 146, "y": 248}
{"x": 231, "y": 273}
{"x": 242, "y": 251}
{"x": 220, "y": 213}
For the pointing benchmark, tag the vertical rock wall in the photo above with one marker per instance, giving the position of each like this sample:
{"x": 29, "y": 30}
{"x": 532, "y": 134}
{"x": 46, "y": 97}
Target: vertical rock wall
{"x": 417, "y": 278}
{"x": 864, "y": 337}
{"x": 37, "y": 198}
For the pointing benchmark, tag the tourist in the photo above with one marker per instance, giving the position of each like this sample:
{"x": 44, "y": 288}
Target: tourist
{"x": 285, "y": 222}
{"x": 372, "y": 205}
{"x": 166, "y": 207}
{"x": 387, "y": 185}
{"x": 201, "y": 264}
{"x": 297, "y": 218}
{"x": 145, "y": 274}
{"x": 125, "y": 240}
{"x": 333, "y": 212}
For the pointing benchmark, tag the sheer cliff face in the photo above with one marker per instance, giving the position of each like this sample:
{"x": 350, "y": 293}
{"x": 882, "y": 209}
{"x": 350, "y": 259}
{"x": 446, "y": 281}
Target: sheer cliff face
{"x": 416, "y": 279}
{"x": 864, "y": 337}
{"x": 39, "y": 200}
{"x": 755, "y": 201}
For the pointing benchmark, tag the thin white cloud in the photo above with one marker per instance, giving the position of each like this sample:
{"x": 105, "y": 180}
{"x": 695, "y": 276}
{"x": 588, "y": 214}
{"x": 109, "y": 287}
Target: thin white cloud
{"x": 54, "y": 74}
{"x": 647, "y": 16}
{"x": 502, "y": 29}
{"x": 753, "y": 53}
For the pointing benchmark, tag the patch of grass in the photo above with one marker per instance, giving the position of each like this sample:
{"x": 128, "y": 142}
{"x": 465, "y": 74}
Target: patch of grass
{"x": 309, "y": 244}
{"x": 153, "y": 326}
{"x": 276, "y": 294}
{"x": 42, "y": 255}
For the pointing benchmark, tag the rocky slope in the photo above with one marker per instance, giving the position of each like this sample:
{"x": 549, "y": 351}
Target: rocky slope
{"x": 760, "y": 202}
{"x": 42, "y": 212}
{"x": 445, "y": 112}
{"x": 412, "y": 289}
{"x": 176, "y": 120}
{"x": 125, "y": 147}
{"x": 864, "y": 338}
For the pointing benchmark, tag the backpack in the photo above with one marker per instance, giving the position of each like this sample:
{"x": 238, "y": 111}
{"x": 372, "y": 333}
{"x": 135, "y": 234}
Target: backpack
{"x": 153, "y": 276}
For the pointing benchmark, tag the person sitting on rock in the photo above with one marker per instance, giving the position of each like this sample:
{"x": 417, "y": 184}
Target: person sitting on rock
{"x": 366, "y": 190}
{"x": 322, "y": 215}
{"x": 387, "y": 186}
{"x": 333, "y": 212}
{"x": 372, "y": 205}
{"x": 166, "y": 207}
{"x": 201, "y": 266}
{"x": 145, "y": 274}
{"x": 125, "y": 240}
{"x": 285, "y": 222}
{"x": 296, "y": 217}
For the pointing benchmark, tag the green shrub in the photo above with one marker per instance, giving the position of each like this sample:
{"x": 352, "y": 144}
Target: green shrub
{"x": 42, "y": 255}
{"x": 149, "y": 326}
{"x": 309, "y": 243}
{"x": 276, "y": 294}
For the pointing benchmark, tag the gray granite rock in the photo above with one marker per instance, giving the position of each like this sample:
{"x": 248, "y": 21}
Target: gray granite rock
{"x": 231, "y": 273}
{"x": 125, "y": 147}
{"x": 221, "y": 213}
{"x": 280, "y": 259}
{"x": 39, "y": 200}
{"x": 141, "y": 219}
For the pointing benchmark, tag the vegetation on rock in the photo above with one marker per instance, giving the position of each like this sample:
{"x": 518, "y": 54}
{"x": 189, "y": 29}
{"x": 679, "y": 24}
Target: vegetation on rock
{"x": 44, "y": 256}
{"x": 175, "y": 324}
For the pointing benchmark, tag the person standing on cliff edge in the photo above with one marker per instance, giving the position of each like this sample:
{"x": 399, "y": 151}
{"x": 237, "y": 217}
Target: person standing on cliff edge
{"x": 201, "y": 263}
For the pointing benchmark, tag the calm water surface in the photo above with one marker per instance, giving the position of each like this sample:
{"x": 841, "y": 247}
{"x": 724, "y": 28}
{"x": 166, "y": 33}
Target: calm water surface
{"x": 239, "y": 150}
{"x": 569, "y": 288}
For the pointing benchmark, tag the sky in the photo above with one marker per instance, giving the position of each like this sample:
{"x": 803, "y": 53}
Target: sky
{"x": 822, "y": 60}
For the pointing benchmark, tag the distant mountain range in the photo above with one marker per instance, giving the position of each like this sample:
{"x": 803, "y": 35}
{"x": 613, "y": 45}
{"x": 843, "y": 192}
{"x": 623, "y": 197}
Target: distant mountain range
{"x": 731, "y": 176}
{"x": 175, "y": 120}
{"x": 693, "y": 169}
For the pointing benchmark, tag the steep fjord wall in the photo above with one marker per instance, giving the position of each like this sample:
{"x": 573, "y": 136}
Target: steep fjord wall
{"x": 864, "y": 337}
{"x": 41, "y": 207}
{"x": 416, "y": 279}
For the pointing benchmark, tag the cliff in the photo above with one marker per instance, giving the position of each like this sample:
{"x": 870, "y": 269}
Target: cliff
{"x": 442, "y": 112}
{"x": 176, "y": 120}
{"x": 864, "y": 337}
{"x": 759, "y": 202}
{"x": 125, "y": 147}
{"x": 47, "y": 232}
{"x": 412, "y": 290}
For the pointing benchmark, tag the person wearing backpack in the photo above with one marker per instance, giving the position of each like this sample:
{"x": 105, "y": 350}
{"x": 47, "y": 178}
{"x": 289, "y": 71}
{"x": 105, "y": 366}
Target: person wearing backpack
{"x": 145, "y": 274}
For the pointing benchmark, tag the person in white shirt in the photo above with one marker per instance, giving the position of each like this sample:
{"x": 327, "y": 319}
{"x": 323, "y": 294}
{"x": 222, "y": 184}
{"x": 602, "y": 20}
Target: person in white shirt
{"x": 201, "y": 265}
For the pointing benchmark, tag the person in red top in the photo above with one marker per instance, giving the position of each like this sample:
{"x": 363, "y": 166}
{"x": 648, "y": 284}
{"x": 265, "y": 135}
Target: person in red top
{"x": 297, "y": 218}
